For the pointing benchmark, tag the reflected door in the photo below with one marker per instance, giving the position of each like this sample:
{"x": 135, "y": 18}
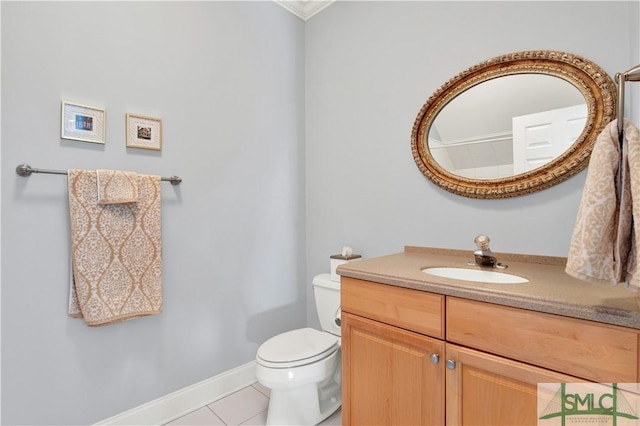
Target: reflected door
{"x": 540, "y": 137}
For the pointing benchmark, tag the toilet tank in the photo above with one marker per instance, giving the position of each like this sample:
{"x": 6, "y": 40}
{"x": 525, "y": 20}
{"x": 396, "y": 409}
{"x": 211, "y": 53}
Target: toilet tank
{"x": 327, "y": 295}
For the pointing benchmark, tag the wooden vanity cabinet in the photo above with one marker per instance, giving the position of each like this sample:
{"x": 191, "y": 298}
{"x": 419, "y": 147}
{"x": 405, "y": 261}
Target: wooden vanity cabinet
{"x": 400, "y": 367}
{"x": 594, "y": 351}
{"x": 487, "y": 386}
{"x": 392, "y": 351}
{"x": 413, "y": 310}
{"x": 484, "y": 389}
{"x": 389, "y": 375}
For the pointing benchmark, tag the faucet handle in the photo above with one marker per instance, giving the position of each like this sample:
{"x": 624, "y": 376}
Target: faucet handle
{"x": 482, "y": 241}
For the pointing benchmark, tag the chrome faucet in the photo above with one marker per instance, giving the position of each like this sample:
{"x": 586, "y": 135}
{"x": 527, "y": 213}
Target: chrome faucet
{"x": 483, "y": 255}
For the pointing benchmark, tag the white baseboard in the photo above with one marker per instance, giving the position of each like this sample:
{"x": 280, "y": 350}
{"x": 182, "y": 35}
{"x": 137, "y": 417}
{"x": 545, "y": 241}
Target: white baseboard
{"x": 176, "y": 404}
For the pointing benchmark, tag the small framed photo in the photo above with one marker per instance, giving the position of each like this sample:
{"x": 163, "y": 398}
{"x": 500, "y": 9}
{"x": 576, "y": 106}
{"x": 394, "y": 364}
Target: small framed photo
{"x": 144, "y": 132}
{"x": 82, "y": 123}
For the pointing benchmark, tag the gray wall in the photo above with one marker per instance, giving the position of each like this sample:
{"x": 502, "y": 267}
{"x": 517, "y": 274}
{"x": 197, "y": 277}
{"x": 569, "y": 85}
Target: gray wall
{"x": 244, "y": 90}
{"x": 371, "y": 66}
{"x": 228, "y": 81}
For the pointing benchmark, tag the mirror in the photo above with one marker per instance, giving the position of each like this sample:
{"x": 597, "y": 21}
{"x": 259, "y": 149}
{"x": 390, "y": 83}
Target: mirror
{"x": 513, "y": 124}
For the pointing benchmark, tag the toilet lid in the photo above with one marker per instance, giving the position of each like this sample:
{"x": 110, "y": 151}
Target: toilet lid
{"x": 305, "y": 344}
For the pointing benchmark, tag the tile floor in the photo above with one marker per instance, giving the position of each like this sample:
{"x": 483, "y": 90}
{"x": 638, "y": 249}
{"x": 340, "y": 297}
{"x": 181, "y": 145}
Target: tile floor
{"x": 247, "y": 406}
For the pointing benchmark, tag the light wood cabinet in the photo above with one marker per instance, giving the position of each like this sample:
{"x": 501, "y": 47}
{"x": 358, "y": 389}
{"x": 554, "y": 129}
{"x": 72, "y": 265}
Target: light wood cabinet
{"x": 391, "y": 376}
{"x": 593, "y": 351}
{"x": 490, "y": 358}
{"x": 413, "y": 310}
{"x": 484, "y": 389}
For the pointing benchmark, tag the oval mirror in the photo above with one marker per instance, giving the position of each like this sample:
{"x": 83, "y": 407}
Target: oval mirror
{"x": 513, "y": 124}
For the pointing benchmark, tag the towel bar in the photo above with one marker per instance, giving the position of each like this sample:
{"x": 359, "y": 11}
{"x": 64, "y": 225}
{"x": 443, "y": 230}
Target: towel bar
{"x": 26, "y": 170}
{"x": 631, "y": 75}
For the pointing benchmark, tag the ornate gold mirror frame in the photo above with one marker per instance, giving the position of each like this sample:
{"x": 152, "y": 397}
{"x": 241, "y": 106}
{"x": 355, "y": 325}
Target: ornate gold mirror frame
{"x": 595, "y": 85}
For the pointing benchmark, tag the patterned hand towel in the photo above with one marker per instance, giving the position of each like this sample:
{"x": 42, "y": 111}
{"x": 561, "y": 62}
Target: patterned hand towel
{"x": 632, "y": 139}
{"x": 602, "y": 247}
{"x": 116, "y": 186}
{"x": 116, "y": 252}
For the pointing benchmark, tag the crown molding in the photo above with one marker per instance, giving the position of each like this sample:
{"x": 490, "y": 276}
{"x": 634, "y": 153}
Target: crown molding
{"x": 304, "y": 9}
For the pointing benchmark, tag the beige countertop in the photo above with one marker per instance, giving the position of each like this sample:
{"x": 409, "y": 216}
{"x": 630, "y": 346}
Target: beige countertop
{"x": 549, "y": 288}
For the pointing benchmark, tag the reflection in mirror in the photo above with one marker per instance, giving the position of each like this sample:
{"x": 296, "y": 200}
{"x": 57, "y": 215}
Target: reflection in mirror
{"x": 509, "y": 125}
{"x": 513, "y": 124}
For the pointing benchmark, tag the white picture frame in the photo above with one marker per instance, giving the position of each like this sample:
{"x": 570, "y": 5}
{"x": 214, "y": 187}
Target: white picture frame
{"x": 82, "y": 123}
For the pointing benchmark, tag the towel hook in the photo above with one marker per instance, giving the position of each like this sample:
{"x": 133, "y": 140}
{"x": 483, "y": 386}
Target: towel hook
{"x": 631, "y": 75}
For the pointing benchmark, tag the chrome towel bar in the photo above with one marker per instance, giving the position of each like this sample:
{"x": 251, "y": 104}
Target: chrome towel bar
{"x": 26, "y": 170}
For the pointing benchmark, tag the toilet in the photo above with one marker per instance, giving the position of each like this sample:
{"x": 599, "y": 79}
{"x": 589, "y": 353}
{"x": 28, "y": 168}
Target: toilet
{"x": 302, "y": 367}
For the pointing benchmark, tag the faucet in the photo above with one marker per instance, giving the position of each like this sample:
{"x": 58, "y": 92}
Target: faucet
{"x": 483, "y": 255}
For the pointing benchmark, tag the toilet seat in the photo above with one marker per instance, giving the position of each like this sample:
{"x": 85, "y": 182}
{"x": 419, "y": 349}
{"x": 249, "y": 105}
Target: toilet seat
{"x": 296, "y": 348}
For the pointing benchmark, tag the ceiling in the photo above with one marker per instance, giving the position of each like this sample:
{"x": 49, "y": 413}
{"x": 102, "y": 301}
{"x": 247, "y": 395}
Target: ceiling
{"x": 304, "y": 9}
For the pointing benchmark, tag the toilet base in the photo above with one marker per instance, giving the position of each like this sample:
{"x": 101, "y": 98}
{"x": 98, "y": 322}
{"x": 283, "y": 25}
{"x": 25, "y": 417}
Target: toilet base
{"x": 308, "y": 404}
{"x": 302, "y": 394}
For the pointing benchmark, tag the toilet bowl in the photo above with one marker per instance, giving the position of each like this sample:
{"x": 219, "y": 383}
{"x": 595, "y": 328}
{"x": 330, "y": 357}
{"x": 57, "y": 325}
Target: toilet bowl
{"x": 302, "y": 367}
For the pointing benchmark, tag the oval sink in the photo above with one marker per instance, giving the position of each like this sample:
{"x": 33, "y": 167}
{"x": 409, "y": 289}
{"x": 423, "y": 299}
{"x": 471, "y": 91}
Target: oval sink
{"x": 477, "y": 275}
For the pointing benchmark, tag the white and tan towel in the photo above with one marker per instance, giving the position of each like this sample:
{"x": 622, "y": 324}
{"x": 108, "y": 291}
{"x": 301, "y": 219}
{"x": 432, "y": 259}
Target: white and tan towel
{"x": 117, "y": 187}
{"x": 116, "y": 252}
{"x": 603, "y": 246}
{"x": 632, "y": 138}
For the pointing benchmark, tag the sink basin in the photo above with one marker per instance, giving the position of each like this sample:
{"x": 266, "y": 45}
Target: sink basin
{"x": 476, "y": 275}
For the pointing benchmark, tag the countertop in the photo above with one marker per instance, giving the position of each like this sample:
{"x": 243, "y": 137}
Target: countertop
{"x": 549, "y": 288}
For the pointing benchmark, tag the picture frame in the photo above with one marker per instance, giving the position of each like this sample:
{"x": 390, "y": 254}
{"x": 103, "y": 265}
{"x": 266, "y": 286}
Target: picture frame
{"x": 83, "y": 123}
{"x": 143, "y": 132}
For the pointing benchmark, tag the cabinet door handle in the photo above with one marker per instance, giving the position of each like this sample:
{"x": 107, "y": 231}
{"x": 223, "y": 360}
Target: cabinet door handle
{"x": 451, "y": 364}
{"x": 435, "y": 358}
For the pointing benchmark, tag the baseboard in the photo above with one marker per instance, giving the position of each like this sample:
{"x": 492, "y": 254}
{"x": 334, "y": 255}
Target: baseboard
{"x": 176, "y": 404}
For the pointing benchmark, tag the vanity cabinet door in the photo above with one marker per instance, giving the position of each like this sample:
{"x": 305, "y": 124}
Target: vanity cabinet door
{"x": 391, "y": 376}
{"x": 484, "y": 389}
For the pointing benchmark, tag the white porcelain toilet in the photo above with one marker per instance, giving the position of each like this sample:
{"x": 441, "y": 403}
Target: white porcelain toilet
{"x": 302, "y": 367}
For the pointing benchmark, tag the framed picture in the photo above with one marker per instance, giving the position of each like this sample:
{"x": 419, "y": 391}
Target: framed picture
{"x": 82, "y": 123}
{"x": 144, "y": 132}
